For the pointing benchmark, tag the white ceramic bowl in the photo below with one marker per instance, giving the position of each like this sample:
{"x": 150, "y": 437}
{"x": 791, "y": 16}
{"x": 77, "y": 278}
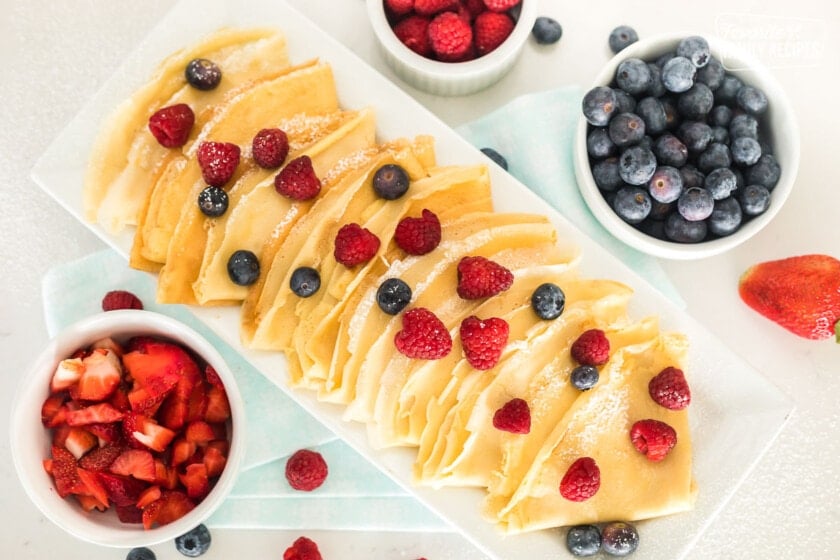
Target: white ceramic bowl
{"x": 451, "y": 78}
{"x": 30, "y": 441}
{"x": 779, "y": 121}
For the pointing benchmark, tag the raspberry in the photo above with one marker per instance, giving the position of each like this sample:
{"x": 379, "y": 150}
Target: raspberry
{"x": 413, "y": 33}
{"x": 450, "y": 37}
{"x": 399, "y": 7}
{"x": 513, "y": 417}
{"x": 592, "y": 348}
{"x": 483, "y": 340}
{"x": 302, "y": 549}
{"x": 653, "y": 438}
{"x": 670, "y": 389}
{"x": 218, "y": 161}
{"x": 423, "y": 335}
{"x": 171, "y": 126}
{"x": 120, "y": 299}
{"x": 355, "y": 245}
{"x": 418, "y": 236}
{"x": 431, "y": 7}
{"x": 306, "y": 470}
{"x": 479, "y": 277}
{"x": 270, "y": 147}
{"x": 500, "y": 5}
{"x": 490, "y": 30}
{"x": 473, "y": 7}
{"x": 581, "y": 481}
{"x": 298, "y": 180}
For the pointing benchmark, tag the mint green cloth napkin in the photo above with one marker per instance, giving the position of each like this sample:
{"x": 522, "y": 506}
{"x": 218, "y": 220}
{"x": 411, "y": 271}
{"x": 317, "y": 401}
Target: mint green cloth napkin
{"x": 535, "y": 134}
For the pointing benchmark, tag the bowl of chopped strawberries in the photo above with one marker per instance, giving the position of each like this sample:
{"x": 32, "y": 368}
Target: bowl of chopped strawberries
{"x": 126, "y": 431}
{"x": 451, "y": 47}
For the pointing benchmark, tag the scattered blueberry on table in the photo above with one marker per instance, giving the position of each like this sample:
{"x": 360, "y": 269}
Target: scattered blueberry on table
{"x": 546, "y": 30}
{"x": 195, "y": 542}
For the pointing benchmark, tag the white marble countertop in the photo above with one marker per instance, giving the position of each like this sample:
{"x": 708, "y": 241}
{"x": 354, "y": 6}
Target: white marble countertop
{"x": 54, "y": 56}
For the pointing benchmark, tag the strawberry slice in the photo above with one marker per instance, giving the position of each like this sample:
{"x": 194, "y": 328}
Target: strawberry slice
{"x": 109, "y": 344}
{"x": 218, "y": 407}
{"x": 119, "y": 398}
{"x": 158, "y": 359}
{"x": 101, "y": 375}
{"x": 122, "y": 490}
{"x": 53, "y": 410}
{"x": 149, "y": 495}
{"x": 199, "y": 432}
{"x": 179, "y": 408}
{"x": 165, "y": 477}
{"x": 129, "y": 514}
{"x": 93, "y": 485}
{"x": 64, "y": 471}
{"x": 67, "y": 373}
{"x": 100, "y": 458}
{"x": 171, "y": 506}
{"x": 135, "y": 462}
{"x": 107, "y": 433}
{"x": 213, "y": 377}
{"x": 90, "y": 503}
{"x": 102, "y": 413}
{"x": 142, "y": 432}
{"x": 79, "y": 441}
{"x": 195, "y": 480}
{"x": 182, "y": 451}
{"x": 214, "y": 460}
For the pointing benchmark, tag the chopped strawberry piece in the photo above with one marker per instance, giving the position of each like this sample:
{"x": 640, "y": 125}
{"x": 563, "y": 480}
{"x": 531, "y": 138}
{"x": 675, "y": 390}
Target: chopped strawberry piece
{"x": 101, "y": 413}
{"x": 213, "y": 377}
{"x": 156, "y": 369}
{"x": 100, "y": 458}
{"x": 53, "y": 411}
{"x": 119, "y": 398}
{"x": 171, "y": 506}
{"x": 64, "y": 471}
{"x": 93, "y": 485}
{"x": 142, "y": 430}
{"x": 90, "y": 503}
{"x": 215, "y": 460}
{"x": 129, "y": 514}
{"x": 107, "y": 433}
{"x": 79, "y": 441}
{"x": 101, "y": 375}
{"x": 67, "y": 373}
{"x": 199, "y": 432}
{"x": 135, "y": 462}
{"x": 195, "y": 480}
{"x": 182, "y": 450}
{"x": 148, "y": 496}
{"x": 218, "y": 407}
{"x": 184, "y": 403}
{"x": 122, "y": 490}
{"x": 109, "y": 343}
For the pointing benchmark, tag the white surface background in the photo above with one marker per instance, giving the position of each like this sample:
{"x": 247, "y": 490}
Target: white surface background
{"x": 55, "y": 56}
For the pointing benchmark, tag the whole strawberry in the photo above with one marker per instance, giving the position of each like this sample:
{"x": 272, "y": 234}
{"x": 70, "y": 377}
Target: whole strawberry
{"x": 802, "y": 294}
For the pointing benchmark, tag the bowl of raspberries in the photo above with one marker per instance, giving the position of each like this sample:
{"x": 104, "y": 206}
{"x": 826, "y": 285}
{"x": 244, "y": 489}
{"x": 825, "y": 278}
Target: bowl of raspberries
{"x": 451, "y": 47}
{"x": 127, "y": 430}
{"x": 686, "y": 146}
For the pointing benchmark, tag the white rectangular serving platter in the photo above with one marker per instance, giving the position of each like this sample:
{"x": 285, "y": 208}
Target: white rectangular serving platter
{"x": 735, "y": 412}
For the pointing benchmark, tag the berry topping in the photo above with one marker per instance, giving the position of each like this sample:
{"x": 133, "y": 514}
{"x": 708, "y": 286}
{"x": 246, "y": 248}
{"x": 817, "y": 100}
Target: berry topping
{"x": 548, "y": 301}
{"x": 490, "y": 30}
{"x": 302, "y": 549}
{"x": 514, "y": 417}
{"x": 305, "y": 281}
{"x": 479, "y": 277}
{"x": 423, "y": 335}
{"x": 213, "y": 201}
{"x": 581, "y": 481}
{"x": 584, "y": 377}
{"x": 270, "y": 147}
{"x": 450, "y": 37}
{"x": 140, "y": 553}
{"x": 218, "y": 162}
{"x": 306, "y": 470}
{"x": 670, "y": 389}
{"x": 355, "y": 245}
{"x": 413, "y": 33}
{"x": 120, "y": 299}
{"x": 483, "y": 340}
{"x": 298, "y": 180}
{"x": 501, "y": 5}
{"x": 243, "y": 267}
{"x": 592, "y": 348}
{"x": 203, "y": 74}
{"x": 653, "y": 438}
{"x": 399, "y": 7}
{"x": 583, "y": 540}
{"x": 390, "y": 181}
{"x": 497, "y": 158}
{"x": 622, "y": 37}
{"x": 619, "y": 538}
{"x": 194, "y": 542}
{"x": 171, "y": 126}
{"x": 393, "y": 295}
{"x": 546, "y": 30}
{"x": 431, "y": 7}
{"x": 599, "y": 104}
{"x": 696, "y": 49}
{"x": 418, "y": 236}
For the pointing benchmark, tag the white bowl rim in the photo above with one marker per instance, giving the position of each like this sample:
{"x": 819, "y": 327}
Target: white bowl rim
{"x": 686, "y": 251}
{"x": 37, "y": 484}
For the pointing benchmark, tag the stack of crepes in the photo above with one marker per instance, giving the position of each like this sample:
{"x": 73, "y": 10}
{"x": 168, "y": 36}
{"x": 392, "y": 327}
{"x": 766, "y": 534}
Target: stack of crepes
{"x": 338, "y": 342}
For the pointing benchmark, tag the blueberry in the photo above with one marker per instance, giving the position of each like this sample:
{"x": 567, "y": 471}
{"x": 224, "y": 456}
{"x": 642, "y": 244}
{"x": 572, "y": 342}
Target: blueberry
{"x": 498, "y": 158}
{"x": 695, "y": 135}
{"x": 666, "y": 185}
{"x": 584, "y": 377}
{"x": 619, "y": 538}
{"x": 626, "y": 129}
{"x": 606, "y": 174}
{"x": 678, "y": 74}
{"x": 696, "y": 49}
{"x": 656, "y": 88}
{"x": 739, "y": 178}
{"x": 663, "y": 58}
{"x": 672, "y": 116}
{"x": 633, "y": 76}
{"x": 626, "y": 103}
{"x": 203, "y": 74}
{"x": 691, "y": 176}
{"x": 653, "y": 113}
{"x": 583, "y": 540}
{"x": 765, "y": 172}
{"x": 621, "y": 37}
{"x": 716, "y": 155}
{"x": 599, "y": 104}
{"x": 720, "y": 115}
{"x": 681, "y": 230}
{"x": 720, "y": 134}
{"x": 548, "y": 301}
{"x": 752, "y": 100}
{"x": 712, "y": 74}
{"x": 195, "y": 542}
{"x": 393, "y": 295}
{"x": 243, "y": 267}
{"x": 305, "y": 281}
{"x": 696, "y": 102}
{"x": 213, "y": 201}
{"x": 695, "y": 204}
{"x": 546, "y": 30}
{"x": 670, "y": 151}
{"x": 743, "y": 125}
{"x": 598, "y": 143}
{"x": 726, "y": 217}
{"x": 660, "y": 210}
{"x": 755, "y": 199}
{"x": 632, "y": 204}
{"x": 725, "y": 94}
{"x": 636, "y": 165}
{"x": 720, "y": 183}
{"x": 745, "y": 150}
{"x": 390, "y": 181}
{"x": 141, "y": 553}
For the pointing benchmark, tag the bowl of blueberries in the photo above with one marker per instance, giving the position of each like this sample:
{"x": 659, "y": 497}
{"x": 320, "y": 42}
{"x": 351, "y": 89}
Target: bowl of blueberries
{"x": 686, "y": 146}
